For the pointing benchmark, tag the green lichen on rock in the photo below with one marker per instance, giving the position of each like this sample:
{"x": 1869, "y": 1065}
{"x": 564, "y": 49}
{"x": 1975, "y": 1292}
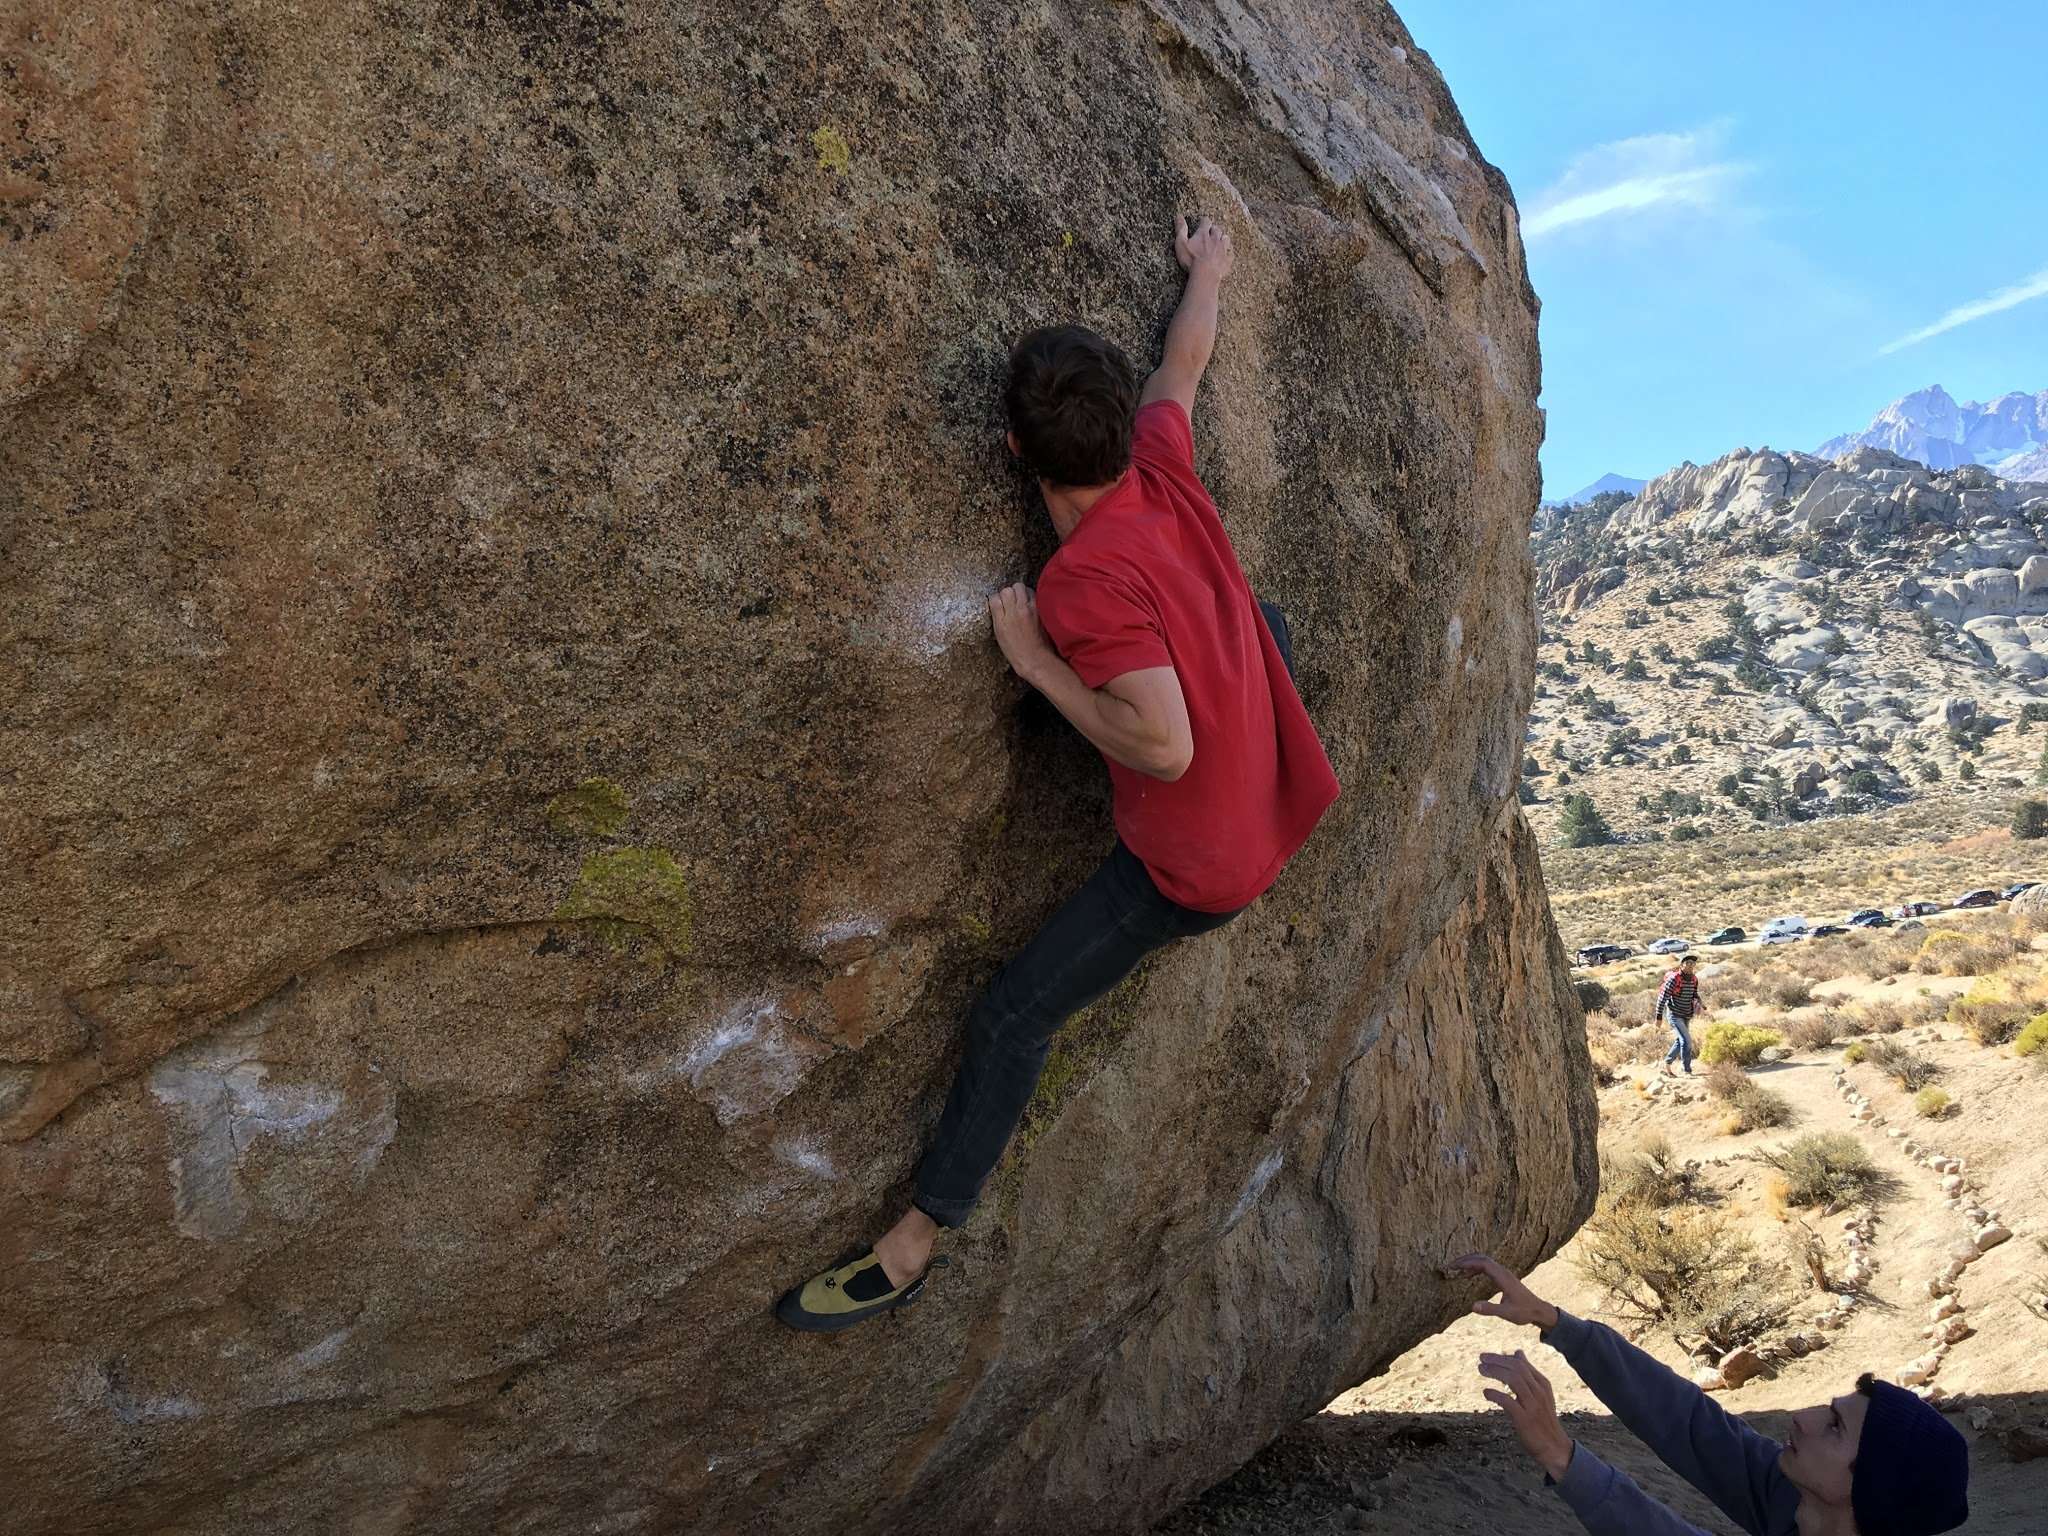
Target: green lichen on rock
{"x": 594, "y": 808}
{"x": 629, "y": 894}
{"x": 834, "y": 154}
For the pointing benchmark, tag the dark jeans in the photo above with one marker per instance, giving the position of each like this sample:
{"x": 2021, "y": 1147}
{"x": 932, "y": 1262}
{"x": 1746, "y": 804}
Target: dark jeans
{"x": 1091, "y": 943}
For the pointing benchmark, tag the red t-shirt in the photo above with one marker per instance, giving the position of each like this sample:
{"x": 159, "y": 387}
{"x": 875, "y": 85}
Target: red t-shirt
{"x": 1149, "y": 579}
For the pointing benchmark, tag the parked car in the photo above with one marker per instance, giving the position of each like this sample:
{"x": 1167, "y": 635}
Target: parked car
{"x": 1668, "y": 947}
{"x": 1780, "y": 929}
{"x": 1869, "y": 917}
{"x": 1918, "y": 909}
{"x": 1728, "y": 935}
{"x": 1825, "y": 931}
{"x": 1601, "y": 954}
{"x": 1982, "y": 897}
{"x": 2017, "y": 887}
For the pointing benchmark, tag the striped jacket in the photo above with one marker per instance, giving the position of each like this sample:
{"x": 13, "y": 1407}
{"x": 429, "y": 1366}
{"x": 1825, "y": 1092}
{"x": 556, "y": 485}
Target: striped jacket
{"x": 1680, "y": 994}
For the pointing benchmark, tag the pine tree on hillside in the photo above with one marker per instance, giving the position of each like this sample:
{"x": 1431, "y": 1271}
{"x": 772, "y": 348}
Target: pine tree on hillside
{"x": 1581, "y": 824}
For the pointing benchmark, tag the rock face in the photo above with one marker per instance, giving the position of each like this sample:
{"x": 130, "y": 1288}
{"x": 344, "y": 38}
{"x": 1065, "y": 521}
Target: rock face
{"x": 510, "y": 790}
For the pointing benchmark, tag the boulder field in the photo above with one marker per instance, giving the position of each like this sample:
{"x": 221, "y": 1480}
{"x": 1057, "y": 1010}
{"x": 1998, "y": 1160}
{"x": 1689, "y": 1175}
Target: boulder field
{"x": 509, "y": 789}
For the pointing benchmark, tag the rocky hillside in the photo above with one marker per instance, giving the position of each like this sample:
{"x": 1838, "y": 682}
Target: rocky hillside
{"x": 1776, "y": 636}
{"x": 510, "y": 789}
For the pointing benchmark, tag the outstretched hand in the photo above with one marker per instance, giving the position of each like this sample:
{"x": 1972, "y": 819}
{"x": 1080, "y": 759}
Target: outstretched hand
{"x": 1517, "y": 1304}
{"x": 1205, "y": 248}
{"x": 1531, "y": 1409}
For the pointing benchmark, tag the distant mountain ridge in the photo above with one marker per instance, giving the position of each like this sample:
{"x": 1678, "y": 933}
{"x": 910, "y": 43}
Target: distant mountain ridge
{"x": 2008, "y": 435}
{"x": 1600, "y": 487}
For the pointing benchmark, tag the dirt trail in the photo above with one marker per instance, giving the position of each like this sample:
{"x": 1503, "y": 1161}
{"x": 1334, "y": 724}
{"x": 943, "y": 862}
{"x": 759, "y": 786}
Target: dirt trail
{"x": 1418, "y": 1449}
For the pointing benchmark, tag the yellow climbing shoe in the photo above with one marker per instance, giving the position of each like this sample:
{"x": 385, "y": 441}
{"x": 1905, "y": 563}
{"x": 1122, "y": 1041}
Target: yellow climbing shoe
{"x": 852, "y": 1293}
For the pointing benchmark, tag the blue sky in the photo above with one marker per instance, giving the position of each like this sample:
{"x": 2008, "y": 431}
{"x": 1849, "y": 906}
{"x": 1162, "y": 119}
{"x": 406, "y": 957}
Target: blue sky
{"x": 1740, "y": 217}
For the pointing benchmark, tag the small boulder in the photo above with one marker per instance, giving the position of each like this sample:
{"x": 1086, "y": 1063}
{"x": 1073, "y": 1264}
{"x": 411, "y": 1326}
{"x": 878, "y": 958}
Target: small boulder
{"x": 1739, "y": 1365}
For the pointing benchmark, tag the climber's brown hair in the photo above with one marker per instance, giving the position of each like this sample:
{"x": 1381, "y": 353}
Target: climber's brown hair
{"x": 1071, "y": 399}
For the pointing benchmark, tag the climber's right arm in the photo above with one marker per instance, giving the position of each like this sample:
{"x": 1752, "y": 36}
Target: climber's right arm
{"x": 1205, "y": 255}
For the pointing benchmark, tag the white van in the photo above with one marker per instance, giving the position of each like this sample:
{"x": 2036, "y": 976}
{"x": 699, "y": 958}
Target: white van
{"x": 1783, "y": 930}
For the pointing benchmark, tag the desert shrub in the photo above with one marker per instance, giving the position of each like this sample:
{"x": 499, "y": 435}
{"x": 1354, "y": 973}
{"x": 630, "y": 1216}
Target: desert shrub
{"x": 1934, "y": 948}
{"x": 1638, "y": 1044}
{"x": 1744, "y": 1043}
{"x": 1887, "y": 1016}
{"x": 1648, "y": 1174}
{"x": 1931, "y": 1103}
{"x": 1725, "y": 1079}
{"x": 1754, "y": 1108}
{"x": 1910, "y": 1070}
{"x": 2031, "y": 1039}
{"x": 1815, "y": 1031}
{"x": 1633, "y": 1008}
{"x": 2030, "y": 819}
{"x": 1688, "y": 1270}
{"x": 1823, "y": 962}
{"x": 1604, "y": 1074}
{"x": 1947, "y": 953}
{"x": 1887, "y": 956}
{"x": 1855, "y": 1052}
{"x": 1792, "y": 992}
{"x": 1686, "y": 832}
{"x": 1592, "y": 995}
{"x": 1830, "y": 1169}
{"x": 1990, "y": 1011}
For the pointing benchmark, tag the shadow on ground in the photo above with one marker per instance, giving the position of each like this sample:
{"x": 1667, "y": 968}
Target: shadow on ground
{"x": 1427, "y": 1473}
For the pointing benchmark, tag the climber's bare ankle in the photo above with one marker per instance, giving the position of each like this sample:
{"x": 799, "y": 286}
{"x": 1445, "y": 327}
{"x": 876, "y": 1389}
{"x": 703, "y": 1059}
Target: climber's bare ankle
{"x": 906, "y": 1248}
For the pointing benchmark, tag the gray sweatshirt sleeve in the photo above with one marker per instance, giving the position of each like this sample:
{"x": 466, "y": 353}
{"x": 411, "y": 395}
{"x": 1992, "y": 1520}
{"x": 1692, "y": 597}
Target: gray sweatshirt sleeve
{"x": 1608, "y": 1503}
{"x": 1694, "y": 1436}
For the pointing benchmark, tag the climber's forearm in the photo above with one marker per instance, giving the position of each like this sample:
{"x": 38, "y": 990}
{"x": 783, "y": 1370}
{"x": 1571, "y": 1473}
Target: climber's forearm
{"x": 1191, "y": 336}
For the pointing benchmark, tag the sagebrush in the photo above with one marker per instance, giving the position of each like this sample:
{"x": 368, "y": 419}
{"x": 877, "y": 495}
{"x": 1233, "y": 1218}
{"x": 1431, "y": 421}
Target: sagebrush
{"x": 1830, "y": 1169}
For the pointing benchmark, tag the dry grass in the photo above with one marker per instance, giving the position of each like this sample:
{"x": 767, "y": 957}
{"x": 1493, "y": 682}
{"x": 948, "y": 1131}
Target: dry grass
{"x": 1928, "y": 848}
{"x": 1605, "y": 1067}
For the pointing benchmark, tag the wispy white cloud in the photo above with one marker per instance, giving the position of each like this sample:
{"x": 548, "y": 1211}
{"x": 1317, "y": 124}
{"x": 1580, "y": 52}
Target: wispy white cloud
{"x": 1635, "y": 176}
{"x": 1992, "y": 303}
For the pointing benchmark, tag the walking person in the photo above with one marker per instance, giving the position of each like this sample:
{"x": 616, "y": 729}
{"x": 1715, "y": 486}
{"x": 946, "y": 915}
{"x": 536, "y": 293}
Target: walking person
{"x": 1145, "y": 635}
{"x": 1875, "y": 1461}
{"x": 1678, "y": 1000}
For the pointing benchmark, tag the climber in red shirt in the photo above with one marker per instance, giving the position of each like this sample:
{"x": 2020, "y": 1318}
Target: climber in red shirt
{"x": 1143, "y": 633}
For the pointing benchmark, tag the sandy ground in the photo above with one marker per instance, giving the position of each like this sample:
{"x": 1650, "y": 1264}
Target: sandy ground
{"x": 1419, "y": 1450}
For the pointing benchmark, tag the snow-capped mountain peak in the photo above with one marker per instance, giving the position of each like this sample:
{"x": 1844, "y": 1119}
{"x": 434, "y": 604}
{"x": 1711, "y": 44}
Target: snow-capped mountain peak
{"x": 2009, "y": 434}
